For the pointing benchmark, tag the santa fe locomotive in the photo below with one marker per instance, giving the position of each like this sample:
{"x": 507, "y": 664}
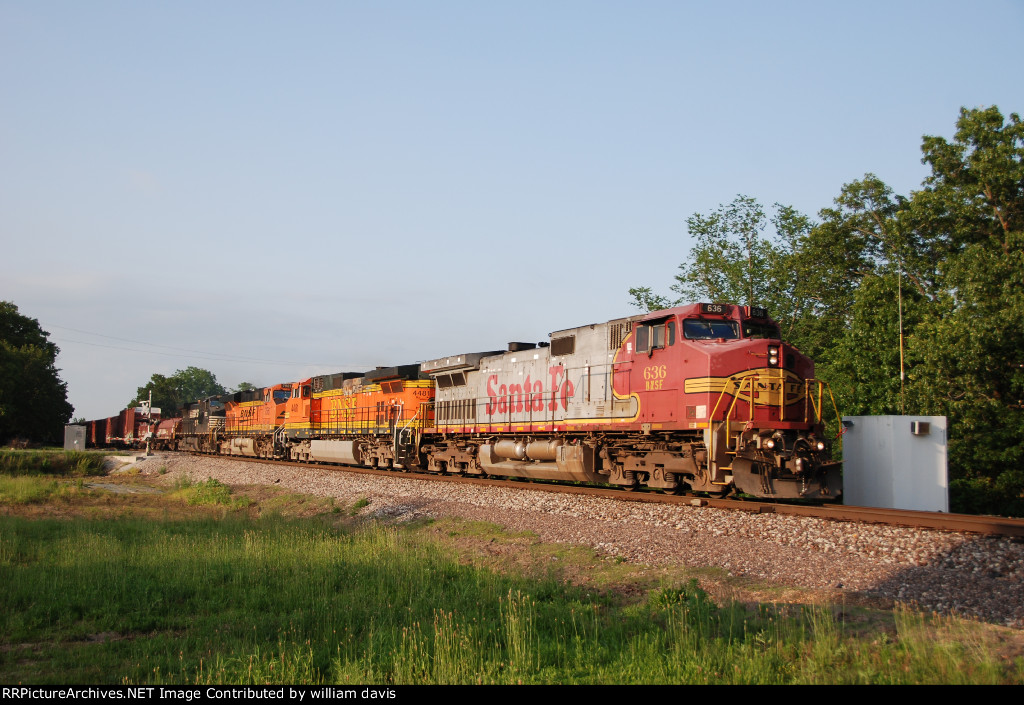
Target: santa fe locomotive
{"x": 703, "y": 398}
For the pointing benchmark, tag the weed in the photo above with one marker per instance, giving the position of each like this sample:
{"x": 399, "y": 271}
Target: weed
{"x": 37, "y": 462}
{"x": 209, "y": 491}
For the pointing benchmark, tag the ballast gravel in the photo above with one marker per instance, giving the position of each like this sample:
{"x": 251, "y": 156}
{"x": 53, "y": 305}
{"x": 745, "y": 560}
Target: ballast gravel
{"x": 950, "y": 573}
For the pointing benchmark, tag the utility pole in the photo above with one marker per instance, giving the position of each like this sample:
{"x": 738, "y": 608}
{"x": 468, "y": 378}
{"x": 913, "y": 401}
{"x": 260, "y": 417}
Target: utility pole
{"x": 899, "y": 290}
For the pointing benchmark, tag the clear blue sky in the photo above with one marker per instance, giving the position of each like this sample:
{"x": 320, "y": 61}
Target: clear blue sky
{"x": 292, "y": 188}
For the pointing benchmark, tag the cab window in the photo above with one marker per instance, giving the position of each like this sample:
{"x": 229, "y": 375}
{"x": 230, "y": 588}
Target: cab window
{"x": 752, "y": 329}
{"x": 709, "y": 329}
{"x": 663, "y": 335}
{"x": 643, "y": 334}
{"x": 658, "y": 335}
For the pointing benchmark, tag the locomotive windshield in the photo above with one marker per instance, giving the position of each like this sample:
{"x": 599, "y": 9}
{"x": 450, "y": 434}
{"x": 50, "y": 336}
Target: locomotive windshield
{"x": 281, "y": 396}
{"x": 705, "y": 329}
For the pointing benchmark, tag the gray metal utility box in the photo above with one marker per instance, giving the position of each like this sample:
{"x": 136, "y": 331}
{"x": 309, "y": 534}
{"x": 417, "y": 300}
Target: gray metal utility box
{"x": 895, "y": 462}
{"x": 74, "y": 437}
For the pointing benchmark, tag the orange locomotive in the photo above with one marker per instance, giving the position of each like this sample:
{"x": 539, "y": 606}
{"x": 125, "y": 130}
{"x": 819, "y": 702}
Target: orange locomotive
{"x": 252, "y": 417}
{"x": 371, "y": 419}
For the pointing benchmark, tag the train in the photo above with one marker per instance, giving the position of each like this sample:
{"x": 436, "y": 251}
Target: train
{"x": 703, "y": 398}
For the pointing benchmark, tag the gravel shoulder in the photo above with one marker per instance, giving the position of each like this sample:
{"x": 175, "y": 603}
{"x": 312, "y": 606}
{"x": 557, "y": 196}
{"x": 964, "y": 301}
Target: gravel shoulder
{"x": 949, "y": 573}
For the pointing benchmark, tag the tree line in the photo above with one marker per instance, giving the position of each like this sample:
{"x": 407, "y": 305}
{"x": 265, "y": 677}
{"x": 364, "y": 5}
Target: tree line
{"x": 33, "y": 398}
{"x": 172, "y": 392}
{"x": 909, "y": 304}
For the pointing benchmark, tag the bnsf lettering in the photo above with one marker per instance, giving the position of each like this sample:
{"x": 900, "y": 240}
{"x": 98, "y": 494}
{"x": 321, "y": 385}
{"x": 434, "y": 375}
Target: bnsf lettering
{"x": 528, "y": 396}
{"x": 654, "y": 377}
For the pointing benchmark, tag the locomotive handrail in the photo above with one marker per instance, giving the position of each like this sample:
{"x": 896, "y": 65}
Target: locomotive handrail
{"x": 279, "y": 430}
{"x": 813, "y": 408}
{"x": 411, "y": 419}
{"x": 819, "y": 407}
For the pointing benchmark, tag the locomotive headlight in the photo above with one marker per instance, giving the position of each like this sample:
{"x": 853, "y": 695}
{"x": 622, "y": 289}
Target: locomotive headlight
{"x": 769, "y": 444}
{"x": 773, "y": 356}
{"x": 820, "y": 445}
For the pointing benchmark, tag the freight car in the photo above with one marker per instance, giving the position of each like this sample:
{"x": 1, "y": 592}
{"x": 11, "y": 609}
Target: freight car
{"x": 132, "y": 428}
{"x": 703, "y": 397}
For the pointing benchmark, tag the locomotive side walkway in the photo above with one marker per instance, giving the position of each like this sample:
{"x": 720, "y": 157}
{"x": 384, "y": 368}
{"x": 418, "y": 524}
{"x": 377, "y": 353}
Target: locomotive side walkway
{"x": 951, "y": 573}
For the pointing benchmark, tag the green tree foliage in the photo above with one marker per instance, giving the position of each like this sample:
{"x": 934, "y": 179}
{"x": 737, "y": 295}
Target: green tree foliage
{"x": 948, "y": 260}
{"x": 969, "y": 348}
{"x": 33, "y": 399}
{"x": 863, "y": 363}
{"x": 183, "y": 387}
{"x": 741, "y": 255}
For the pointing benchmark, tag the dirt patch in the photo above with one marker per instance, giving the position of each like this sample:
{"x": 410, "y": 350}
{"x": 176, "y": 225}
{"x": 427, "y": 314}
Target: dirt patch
{"x": 488, "y": 546}
{"x": 121, "y": 463}
{"x": 121, "y": 488}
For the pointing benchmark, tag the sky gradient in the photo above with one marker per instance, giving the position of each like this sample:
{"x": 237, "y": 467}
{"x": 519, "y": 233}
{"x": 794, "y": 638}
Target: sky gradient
{"x": 274, "y": 190}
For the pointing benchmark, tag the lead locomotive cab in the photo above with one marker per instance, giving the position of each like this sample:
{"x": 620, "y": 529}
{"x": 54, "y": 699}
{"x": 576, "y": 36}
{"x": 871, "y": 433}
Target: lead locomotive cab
{"x": 762, "y": 422}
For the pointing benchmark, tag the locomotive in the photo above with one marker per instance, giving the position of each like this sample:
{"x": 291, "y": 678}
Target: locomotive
{"x": 702, "y": 397}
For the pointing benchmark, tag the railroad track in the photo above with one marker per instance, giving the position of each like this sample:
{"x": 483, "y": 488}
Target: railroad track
{"x": 985, "y": 525}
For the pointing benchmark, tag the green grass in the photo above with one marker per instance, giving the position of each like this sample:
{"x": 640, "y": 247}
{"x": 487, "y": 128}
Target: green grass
{"x": 357, "y": 505}
{"x": 208, "y": 491}
{"x": 275, "y": 600}
{"x": 63, "y": 463}
{"x": 37, "y": 490}
{"x": 280, "y": 591}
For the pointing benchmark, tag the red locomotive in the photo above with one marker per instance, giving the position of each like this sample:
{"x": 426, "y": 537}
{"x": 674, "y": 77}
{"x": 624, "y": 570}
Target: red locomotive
{"x": 704, "y": 397}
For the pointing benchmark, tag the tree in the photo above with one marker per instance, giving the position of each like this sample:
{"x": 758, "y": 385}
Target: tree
{"x": 969, "y": 348}
{"x": 737, "y": 258}
{"x": 183, "y": 387}
{"x": 33, "y": 398}
{"x": 859, "y": 271}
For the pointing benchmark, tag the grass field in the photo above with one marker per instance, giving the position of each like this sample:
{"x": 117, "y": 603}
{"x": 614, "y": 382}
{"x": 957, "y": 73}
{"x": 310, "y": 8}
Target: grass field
{"x": 199, "y": 583}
